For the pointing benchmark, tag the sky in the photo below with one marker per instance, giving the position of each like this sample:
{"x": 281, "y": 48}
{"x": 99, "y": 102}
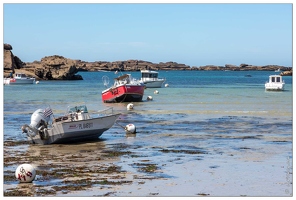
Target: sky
{"x": 195, "y": 34}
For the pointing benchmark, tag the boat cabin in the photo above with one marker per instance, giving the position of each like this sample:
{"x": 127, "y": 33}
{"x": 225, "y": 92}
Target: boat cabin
{"x": 20, "y": 75}
{"x": 149, "y": 74}
{"x": 275, "y": 82}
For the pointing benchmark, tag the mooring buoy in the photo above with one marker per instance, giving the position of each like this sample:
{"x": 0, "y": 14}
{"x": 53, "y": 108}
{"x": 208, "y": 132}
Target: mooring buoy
{"x": 149, "y": 98}
{"x": 130, "y": 106}
{"x": 130, "y": 128}
{"x": 25, "y": 173}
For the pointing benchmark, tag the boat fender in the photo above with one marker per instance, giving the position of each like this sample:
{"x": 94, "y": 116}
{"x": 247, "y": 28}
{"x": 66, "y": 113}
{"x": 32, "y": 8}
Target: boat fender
{"x": 130, "y": 128}
{"x": 130, "y": 106}
{"x": 149, "y": 98}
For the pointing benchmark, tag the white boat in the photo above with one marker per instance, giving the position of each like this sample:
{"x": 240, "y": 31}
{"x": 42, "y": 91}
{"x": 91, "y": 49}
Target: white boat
{"x": 275, "y": 83}
{"x": 151, "y": 80}
{"x": 278, "y": 70}
{"x": 19, "y": 78}
{"x": 75, "y": 126}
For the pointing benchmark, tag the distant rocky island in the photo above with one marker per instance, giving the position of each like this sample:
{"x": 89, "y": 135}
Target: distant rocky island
{"x": 59, "y": 68}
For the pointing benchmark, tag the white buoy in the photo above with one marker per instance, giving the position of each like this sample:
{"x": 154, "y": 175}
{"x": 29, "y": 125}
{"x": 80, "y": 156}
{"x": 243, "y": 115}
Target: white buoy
{"x": 25, "y": 173}
{"x": 116, "y": 72}
{"x": 37, "y": 82}
{"x": 130, "y": 128}
{"x": 166, "y": 85}
{"x": 156, "y": 92}
{"x": 130, "y": 106}
{"x": 149, "y": 98}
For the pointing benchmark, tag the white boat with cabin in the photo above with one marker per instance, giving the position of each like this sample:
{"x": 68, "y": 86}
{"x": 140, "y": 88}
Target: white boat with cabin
{"x": 275, "y": 83}
{"x": 75, "y": 126}
{"x": 150, "y": 79}
{"x": 19, "y": 78}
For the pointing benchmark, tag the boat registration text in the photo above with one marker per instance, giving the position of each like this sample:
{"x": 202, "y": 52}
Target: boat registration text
{"x": 81, "y": 126}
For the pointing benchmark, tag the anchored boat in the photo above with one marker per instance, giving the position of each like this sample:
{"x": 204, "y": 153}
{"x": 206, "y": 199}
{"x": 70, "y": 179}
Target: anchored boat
{"x": 150, "y": 79}
{"x": 275, "y": 83}
{"x": 19, "y": 78}
{"x": 125, "y": 89}
{"x": 75, "y": 126}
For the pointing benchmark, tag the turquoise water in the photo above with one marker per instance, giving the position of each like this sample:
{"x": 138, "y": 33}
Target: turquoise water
{"x": 244, "y": 133}
{"x": 196, "y": 95}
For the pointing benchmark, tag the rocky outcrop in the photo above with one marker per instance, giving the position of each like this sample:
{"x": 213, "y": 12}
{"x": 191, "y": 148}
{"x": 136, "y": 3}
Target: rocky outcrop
{"x": 55, "y": 68}
{"x": 11, "y": 62}
{"x": 59, "y": 68}
{"x": 49, "y": 68}
{"x": 243, "y": 67}
{"x": 287, "y": 73}
{"x": 129, "y": 65}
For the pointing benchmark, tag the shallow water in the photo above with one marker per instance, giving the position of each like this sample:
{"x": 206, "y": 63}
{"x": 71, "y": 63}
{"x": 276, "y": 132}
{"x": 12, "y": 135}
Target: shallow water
{"x": 208, "y": 133}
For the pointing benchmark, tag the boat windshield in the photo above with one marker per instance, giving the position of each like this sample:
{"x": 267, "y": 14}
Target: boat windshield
{"x": 77, "y": 109}
{"x": 149, "y": 75}
{"x": 20, "y": 75}
{"x": 276, "y": 79}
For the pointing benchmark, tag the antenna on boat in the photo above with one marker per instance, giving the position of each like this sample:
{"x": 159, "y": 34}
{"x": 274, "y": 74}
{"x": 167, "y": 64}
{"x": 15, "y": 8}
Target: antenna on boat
{"x": 105, "y": 80}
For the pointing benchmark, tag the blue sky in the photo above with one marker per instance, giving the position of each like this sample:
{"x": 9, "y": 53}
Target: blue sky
{"x": 195, "y": 34}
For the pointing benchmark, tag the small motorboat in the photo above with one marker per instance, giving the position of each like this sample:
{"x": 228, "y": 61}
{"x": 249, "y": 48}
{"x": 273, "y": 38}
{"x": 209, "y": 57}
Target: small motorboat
{"x": 275, "y": 83}
{"x": 19, "y": 78}
{"x": 125, "y": 89}
{"x": 75, "y": 126}
{"x": 151, "y": 80}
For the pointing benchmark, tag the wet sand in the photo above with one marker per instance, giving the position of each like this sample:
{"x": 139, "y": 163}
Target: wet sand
{"x": 178, "y": 156}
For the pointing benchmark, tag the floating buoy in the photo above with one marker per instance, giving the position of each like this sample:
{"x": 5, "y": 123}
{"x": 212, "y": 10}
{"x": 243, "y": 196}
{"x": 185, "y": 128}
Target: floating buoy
{"x": 130, "y": 128}
{"x": 149, "y": 98}
{"x": 116, "y": 72}
{"x": 166, "y": 85}
{"x": 156, "y": 92}
{"x": 25, "y": 173}
{"x": 130, "y": 106}
{"x": 37, "y": 82}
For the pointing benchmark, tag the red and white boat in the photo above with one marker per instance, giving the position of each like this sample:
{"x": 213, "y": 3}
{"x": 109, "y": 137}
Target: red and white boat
{"x": 19, "y": 78}
{"x": 125, "y": 89}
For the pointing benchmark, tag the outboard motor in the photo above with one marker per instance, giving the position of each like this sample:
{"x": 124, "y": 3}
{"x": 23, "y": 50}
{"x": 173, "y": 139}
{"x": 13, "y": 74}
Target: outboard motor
{"x": 38, "y": 122}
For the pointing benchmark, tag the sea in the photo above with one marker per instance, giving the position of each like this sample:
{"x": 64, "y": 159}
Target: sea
{"x": 211, "y": 109}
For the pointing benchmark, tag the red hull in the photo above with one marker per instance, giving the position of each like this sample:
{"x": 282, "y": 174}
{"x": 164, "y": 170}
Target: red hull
{"x": 123, "y": 93}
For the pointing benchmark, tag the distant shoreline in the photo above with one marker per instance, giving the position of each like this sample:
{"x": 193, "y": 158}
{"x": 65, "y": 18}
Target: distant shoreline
{"x": 57, "y": 67}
